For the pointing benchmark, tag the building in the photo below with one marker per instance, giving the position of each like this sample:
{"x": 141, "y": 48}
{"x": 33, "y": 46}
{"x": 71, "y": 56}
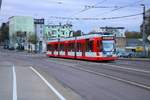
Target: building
{"x": 119, "y": 32}
{"x": 20, "y": 29}
{"x": 56, "y": 31}
{"x": 145, "y": 27}
{"x": 135, "y": 46}
{"x": 39, "y": 32}
{"x": 145, "y": 30}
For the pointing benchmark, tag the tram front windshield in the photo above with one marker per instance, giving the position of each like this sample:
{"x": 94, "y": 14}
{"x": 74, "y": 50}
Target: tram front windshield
{"x": 108, "y": 45}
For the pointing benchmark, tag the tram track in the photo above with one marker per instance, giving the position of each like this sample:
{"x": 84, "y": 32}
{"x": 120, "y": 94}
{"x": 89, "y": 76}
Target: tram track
{"x": 107, "y": 75}
{"x": 132, "y": 64}
{"x": 90, "y": 67}
{"x": 113, "y": 65}
{"x": 91, "y": 80}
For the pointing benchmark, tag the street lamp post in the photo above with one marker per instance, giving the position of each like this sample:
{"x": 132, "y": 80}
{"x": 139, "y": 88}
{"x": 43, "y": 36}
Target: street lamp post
{"x": 0, "y": 4}
{"x": 144, "y": 35}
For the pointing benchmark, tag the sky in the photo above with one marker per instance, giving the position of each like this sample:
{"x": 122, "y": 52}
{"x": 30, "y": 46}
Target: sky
{"x": 74, "y": 9}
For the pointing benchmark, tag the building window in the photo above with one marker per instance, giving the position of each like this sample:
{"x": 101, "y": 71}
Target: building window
{"x": 41, "y": 26}
{"x": 41, "y": 31}
{"x": 49, "y": 33}
{"x": 63, "y": 33}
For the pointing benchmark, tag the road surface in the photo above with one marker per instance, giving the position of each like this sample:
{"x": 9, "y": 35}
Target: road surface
{"x": 119, "y": 80}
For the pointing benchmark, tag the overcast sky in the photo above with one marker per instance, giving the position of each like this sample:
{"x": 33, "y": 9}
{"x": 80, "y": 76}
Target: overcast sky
{"x": 71, "y": 8}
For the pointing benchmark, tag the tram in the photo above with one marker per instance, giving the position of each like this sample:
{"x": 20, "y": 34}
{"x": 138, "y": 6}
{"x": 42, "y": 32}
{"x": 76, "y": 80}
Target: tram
{"x": 93, "y": 47}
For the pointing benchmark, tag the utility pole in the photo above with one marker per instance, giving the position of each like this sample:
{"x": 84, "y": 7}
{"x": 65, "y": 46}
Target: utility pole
{"x": 0, "y": 4}
{"x": 144, "y": 35}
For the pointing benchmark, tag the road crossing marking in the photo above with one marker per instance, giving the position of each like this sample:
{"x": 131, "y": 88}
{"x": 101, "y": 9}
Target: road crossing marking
{"x": 14, "y": 84}
{"x": 48, "y": 84}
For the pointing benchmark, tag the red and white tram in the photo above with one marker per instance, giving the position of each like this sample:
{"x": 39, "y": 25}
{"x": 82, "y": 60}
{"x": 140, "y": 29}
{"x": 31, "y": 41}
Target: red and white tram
{"x": 95, "y": 47}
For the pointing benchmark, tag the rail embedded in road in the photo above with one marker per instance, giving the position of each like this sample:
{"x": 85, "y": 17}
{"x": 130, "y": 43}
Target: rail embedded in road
{"x": 107, "y": 75}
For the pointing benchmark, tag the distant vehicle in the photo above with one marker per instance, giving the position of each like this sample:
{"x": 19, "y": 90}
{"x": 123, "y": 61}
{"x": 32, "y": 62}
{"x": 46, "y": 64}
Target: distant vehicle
{"x": 94, "y": 47}
{"x": 6, "y": 47}
{"x": 11, "y": 47}
{"x": 125, "y": 54}
{"x": 20, "y": 47}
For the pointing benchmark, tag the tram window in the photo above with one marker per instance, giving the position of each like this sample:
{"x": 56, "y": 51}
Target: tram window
{"x": 71, "y": 47}
{"x": 48, "y": 47}
{"x": 79, "y": 46}
{"x": 89, "y": 45}
{"x": 99, "y": 46}
{"x": 56, "y": 47}
{"x": 61, "y": 47}
{"x": 68, "y": 47}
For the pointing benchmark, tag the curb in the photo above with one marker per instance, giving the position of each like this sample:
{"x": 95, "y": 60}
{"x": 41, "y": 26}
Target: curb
{"x": 135, "y": 59}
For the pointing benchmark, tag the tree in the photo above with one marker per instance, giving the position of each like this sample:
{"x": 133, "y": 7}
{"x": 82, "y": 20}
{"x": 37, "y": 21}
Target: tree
{"x": 133, "y": 34}
{"x": 4, "y": 32}
{"x": 32, "y": 39}
{"x": 20, "y": 39}
{"x": 93, "y": 32}
{"x": 77, "y": 33}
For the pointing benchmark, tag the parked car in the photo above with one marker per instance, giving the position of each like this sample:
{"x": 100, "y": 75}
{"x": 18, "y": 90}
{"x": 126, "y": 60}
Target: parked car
{"x": 6, "y": 44}
{"x": 6, "y": 47}
{"x": 20, "y": 47}
{"x": 125, "y": 54}
{"x": 11, "y": 47}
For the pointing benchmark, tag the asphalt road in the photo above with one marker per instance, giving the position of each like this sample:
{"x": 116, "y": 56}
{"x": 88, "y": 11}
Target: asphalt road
{"x": 119, "y": 80}
{"x": 20, "y": 81}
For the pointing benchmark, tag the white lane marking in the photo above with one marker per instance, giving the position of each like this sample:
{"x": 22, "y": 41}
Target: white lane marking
{"x": 127, "y": 68}
{"x": 14, "y": 84}
{"x": 48, "y": 84}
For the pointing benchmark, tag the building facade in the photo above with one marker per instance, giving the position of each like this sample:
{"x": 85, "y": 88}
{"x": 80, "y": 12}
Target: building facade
{"x": 58, "y": 31}
{"x": 119, "y": 32}
{"x": 20, "y": 29}
{"x": 145, "y": 30}
{"x": 145, "y": 27}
